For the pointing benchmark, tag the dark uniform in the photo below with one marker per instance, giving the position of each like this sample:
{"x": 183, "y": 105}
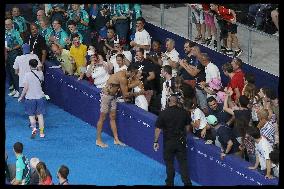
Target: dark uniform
{"x": 173, "y": 121}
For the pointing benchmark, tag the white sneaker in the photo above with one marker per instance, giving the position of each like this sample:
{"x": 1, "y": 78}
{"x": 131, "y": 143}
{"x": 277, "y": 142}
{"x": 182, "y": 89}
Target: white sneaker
{"x": 12, "y": 93}
{"x": 16, "y": 95}
{"x": 11, "y": 87}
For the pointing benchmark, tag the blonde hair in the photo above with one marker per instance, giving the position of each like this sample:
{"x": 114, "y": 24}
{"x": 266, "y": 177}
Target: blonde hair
{"x": 41, "y": 169}
{"x": 249, "y": 91}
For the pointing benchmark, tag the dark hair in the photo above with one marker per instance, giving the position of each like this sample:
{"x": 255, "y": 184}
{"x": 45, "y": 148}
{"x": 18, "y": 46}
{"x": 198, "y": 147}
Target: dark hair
{"x": 239, "y": 62}
{"x": 120, "y": 55}
{"x": 64, "y": 171}
{"x": 189, "y": 103}
{"x": 132, "y": 68}
{"x": 168, "y": 69}
{"x": 140, "y": 19}
{"x": 210, "y": 99}
{"x": 240, "y": 125}
{"x": 190, "y": 43}
{"x": 157, "y": 41}
{"x": 140, "y": 50}
{"x": 18, "y": 147}
{"x": 269, "y": 93}
{"x": 228, "y": 68}
{"x": 249, "y": 77}
{"x": 33, "y": 24}
{"x": 274, "y": 156}
{"x": 244, "y": 101}
{"x": 254, "y": 132}
{"x": 33, "y": 63}
{"x": 111, "y": 28}
{"x": 71, "y": 22}
{"x": 73, "y": 35}
{"x": 57, "y": 20}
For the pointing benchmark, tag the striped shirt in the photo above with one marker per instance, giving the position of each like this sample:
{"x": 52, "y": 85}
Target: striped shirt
{"x": 268, "y": 131}
{"x": 249, "y": 144}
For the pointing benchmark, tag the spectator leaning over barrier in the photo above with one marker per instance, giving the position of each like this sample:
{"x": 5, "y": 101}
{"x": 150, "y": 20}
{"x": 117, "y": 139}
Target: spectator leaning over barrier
{"x": 192, "y": 70}
{"x": 34, "y": 103}
{"x": 148, "y": 74}
{"x": 44, "y": 177}
{"x": 142, "y": 38}
{"x": 211, "y": 72}
{"x": 22, "y": 166}
{"x": 225, "y": 136}
{"x": 72, "y": 27}
{"x": 37, "y": 43}
{"x": 21, "y": 66}
{"x": 171, "y": 56}
{"x": 229, "y": 16}
{"x": 216, "y": 109}
{"x": 98, "y": 71}
{"x": 62, "y": 175}
{"x": 174, "y": 121}
{"x": 19, "y": 21}
{"x": 63, "y": 56}
{"x": 78, "y": 51}
{"x": 236, "y": 81}
{"x": 57, "y": 35}
{"x": 199, "y": 124}
{"x": 263, "y": 149}
{"x": 267, "y": 129}
{"x": 116, "y": 82}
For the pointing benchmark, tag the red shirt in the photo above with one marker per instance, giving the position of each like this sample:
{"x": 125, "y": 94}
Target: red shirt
{"x": 225, "y": 13}
{"x": 206, "y": 7}
{"x": 47, "y": 181}
{"x": 237, "y": 81}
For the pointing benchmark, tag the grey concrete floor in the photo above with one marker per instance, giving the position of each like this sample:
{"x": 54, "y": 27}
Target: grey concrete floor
{"x": 265, "y": 49}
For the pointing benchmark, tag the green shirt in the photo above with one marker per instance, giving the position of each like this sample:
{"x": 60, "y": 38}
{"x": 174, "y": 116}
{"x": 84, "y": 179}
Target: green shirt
{"x": 23, "y": 169}
{"x": 20, "y": 24}
{"x": 61, "y": 37}
{"x": 83, "y": 15}
{"x": 13, "y": 38}
{"x": 119, "y": 10}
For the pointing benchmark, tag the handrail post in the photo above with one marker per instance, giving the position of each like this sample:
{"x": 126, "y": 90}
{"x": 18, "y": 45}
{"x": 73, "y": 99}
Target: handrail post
{"x": 249, "y": 47}
{"x": 162, "y": 8}
{"x": 189, "y": 28}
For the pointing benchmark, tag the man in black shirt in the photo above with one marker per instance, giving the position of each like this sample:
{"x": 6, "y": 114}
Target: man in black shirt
{"x": 174, "y": 122}
{"x": 37, "y": 43}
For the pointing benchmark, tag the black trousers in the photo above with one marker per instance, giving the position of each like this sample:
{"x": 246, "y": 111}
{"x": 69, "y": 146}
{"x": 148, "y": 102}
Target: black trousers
{"x": 172, "y": 149}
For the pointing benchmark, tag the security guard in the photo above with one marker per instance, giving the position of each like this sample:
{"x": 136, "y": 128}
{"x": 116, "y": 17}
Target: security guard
{"x": 13, "y": 43}
{"x": 174, "y": 121}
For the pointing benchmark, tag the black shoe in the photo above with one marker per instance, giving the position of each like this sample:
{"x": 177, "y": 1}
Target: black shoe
{"x": 229, "y": 52}
{"x": 238, "y": 53}
{"x": 222, "y": 47}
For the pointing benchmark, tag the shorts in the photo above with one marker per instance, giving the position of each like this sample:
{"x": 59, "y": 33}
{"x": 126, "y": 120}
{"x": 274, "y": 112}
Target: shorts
{"x": 223, "y": 29}
{"x": 197, "y": 16}
{"x": 232, "y": 28}
{"x": 209, "y": 19}
{"x": 34, "y": 106}
{"x": 106, "y": 102}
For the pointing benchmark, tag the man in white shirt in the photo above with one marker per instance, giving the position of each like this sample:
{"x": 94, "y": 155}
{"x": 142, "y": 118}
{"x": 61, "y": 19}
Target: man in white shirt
{"x": 262, "y": 151}
{"x": 171, "y": 56}
{"x": 142, "y": 38}
{"x": 21, "y": 66}
{"x": 118, "y": 49}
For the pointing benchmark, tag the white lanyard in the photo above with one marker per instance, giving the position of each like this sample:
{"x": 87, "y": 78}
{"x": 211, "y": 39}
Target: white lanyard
{"x": 35, "y": 42}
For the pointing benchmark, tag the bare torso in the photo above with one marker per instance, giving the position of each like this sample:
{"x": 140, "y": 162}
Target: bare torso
{"x": 113, "y": 85}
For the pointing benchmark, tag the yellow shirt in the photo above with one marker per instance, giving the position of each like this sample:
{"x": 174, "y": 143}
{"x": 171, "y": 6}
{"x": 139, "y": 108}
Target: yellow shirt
{"x": 79, "y": 54}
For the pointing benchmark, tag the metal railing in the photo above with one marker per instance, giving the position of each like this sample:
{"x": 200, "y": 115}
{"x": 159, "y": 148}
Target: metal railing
{"x": 260, "y": 49}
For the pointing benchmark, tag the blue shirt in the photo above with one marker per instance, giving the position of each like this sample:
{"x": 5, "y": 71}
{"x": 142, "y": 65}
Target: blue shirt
{"x": 13, "y": 38}
{"x": 22, "y": 169}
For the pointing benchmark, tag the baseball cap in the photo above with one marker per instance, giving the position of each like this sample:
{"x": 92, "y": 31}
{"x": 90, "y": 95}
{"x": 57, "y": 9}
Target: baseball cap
{"x": 212, "y": 120}
{"x": 26, "y": 48}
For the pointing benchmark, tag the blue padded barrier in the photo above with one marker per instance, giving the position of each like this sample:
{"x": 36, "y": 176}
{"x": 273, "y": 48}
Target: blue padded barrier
{"x": 136, "y": 128}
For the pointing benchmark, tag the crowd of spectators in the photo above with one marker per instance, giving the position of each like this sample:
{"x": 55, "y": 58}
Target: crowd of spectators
{"x": 94, "y": 41}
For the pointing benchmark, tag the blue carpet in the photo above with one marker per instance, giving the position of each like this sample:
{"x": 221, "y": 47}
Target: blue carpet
{"x": 71, "y": 141}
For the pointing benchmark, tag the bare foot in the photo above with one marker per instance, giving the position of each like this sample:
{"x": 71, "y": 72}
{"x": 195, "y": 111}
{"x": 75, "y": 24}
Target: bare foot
{"x": 118, "y": 142}
{"x": 101, "y": 144}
